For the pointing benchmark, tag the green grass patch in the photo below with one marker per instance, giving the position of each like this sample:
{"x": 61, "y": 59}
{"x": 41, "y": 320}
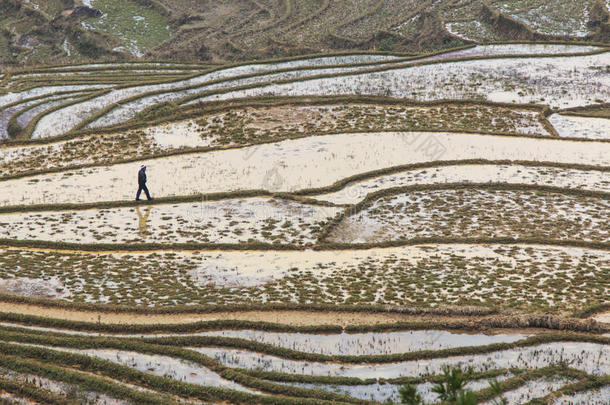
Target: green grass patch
{"x": 139, "y": 27}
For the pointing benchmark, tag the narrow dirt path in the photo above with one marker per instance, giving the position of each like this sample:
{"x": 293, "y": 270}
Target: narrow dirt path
{"x": 312, "y": 318}
{"x": 288, "y": 317}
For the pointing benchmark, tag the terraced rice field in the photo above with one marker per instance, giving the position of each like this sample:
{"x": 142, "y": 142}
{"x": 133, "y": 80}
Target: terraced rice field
{"x": 324, "y": 230}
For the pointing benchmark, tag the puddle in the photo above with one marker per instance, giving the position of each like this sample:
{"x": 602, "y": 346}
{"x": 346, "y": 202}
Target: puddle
{"x": 513, "y": 274}
{"x": 35, "y": 288}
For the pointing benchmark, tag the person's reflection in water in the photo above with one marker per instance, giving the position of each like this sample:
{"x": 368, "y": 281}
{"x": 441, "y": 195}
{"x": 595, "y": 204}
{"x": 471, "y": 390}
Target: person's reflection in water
{"x": 142, "y": 221}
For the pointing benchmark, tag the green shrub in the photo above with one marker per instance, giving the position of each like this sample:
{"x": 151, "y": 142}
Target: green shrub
{"x": 386, "y": 45}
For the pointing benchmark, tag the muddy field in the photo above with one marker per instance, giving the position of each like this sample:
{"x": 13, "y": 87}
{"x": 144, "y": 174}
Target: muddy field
{"x": 323, "y": 230}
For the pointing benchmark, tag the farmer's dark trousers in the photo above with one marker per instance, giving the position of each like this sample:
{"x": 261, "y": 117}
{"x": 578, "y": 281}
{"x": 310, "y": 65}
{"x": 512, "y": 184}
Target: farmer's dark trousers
{"x": 142, "y": 187}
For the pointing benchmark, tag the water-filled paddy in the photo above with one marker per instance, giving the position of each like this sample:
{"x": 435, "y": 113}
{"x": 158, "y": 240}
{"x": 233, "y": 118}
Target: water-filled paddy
{"x": 289, "y": 165}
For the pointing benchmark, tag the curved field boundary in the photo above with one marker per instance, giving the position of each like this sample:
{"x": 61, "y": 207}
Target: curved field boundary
{"x": 212, "y": 107}
{"x": 287, "y": 5}
{"x": 172, "y": 347}
{"x": 188, "y": 111}
{"x": 336, "y": 380}
{"x": 109, "y": 108}
{"x": 32, "y": 392}
{"x": 372, "y": 10}
{"x": 521, "y": 377}
{"x": 46, "y": 141}
{"x": 290, "y": 354}
{"x": 372, "y": 197}
{"x": 25, "y": 100}
{"x": 456, "y": 36}
{"x": 102, "y": 78}
{"x": 585, "y": 384}
{"x": 586, "y": 111}
{"x": 412, "y": 14}
{"x": 129, "y": 375}
{"x": 36, "y": 84}
{"x": 391, "y": 65}
{"x": 26, "y": 133}
{"x": 83, "y": 124}
{"x": 307, "y": 18}
{"x": 107, "y": 66}
{"x": 165, "y": 346}
{"x": 119, "y": 75}
{"x": 13, "y": 129}
{"x": 570, "y": 41}
{"x": 259, "y": 62}
{"x": 112, "y": 77}
{"x": 300, "y": 195}
{"x": 87, "y": 381}
{"x": 62, "y": 67}
{"x": 339, "y": 185}
{"x": 516, "y": 27}
{"x": 377, "y": 70}
{"x": 13, "y": 121}
{"x": 126, "y": 83}
{"x": 289, "y": 394}
{"x": 297, "y": 196}
{"x": 591, "y": 311}
{"x": 488, "y": 394}
{"x": 364, "y": 176}
{"x": 262, "y": 7}
{"x": 130, "y": 65}
{"x": 172, "y": 200}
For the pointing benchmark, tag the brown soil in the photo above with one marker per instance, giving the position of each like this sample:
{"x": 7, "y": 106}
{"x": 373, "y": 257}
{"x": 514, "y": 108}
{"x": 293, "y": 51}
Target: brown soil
{"x": 296, "y": 318}
{"x": 603, "y": 317}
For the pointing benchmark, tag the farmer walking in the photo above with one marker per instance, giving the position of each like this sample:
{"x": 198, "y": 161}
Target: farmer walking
{"x": 142, "y": 183}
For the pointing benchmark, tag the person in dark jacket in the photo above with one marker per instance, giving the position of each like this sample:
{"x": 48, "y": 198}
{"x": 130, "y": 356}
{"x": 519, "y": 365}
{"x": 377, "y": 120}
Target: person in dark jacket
{"x": 142, "y": 184}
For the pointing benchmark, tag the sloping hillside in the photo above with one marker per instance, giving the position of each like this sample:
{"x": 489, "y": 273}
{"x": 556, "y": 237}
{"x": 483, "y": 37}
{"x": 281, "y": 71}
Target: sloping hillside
{"x": 67, "y": 31}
